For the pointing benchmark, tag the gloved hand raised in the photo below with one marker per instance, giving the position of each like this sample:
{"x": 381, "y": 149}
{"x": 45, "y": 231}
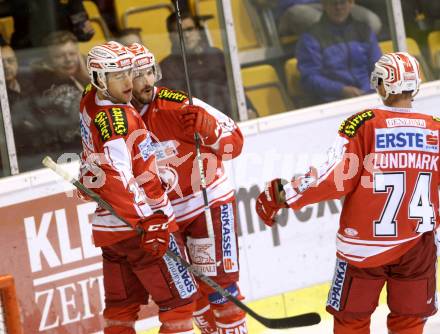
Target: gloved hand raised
{"x": 270, "y": 201}
{"x": 197, "y": 119}
{"x": 155, "y": 234}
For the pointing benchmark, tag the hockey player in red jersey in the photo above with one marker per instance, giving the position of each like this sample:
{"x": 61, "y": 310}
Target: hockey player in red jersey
{"x": 173, "y": 121}
{"x": 385, "y": 161}
{"x": 119, "y": 164}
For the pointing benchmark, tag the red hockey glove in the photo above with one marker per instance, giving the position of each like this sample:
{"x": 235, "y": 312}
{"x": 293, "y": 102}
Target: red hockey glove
{"x": 197, "y": 119}
{"x": 155, "y": 234}
{"x": 270, "y": 201}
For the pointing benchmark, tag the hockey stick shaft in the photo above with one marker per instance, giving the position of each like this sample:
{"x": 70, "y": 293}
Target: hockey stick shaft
{"x": 306, "y": 319}
{"x": 207, "y": 211}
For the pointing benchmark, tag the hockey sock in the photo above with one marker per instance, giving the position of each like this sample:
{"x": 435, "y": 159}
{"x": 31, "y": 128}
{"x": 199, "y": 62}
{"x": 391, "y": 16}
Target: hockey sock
{"x": 229, "y": 319}
{"x": 119, "y": 330}
{"x": 177, "y": 320}
{"x": 203, "y": 317}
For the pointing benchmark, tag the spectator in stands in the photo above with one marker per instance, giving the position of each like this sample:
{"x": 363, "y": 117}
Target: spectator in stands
{"x": 337, "y": 55}
{"x": 107, "y": 10}
{"x": 129, "y": 36}
{"x": 28, "y": 129}
{"x": 33, "y": 21}
{"x": 206, "y": 64}
{"x": 297, "y": 16}
{"x": 61, "y": 77}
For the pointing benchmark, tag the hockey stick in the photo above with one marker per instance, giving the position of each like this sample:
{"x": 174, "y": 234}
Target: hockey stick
{"x": 306, "y": 319}
{"x": 207, "y": 211}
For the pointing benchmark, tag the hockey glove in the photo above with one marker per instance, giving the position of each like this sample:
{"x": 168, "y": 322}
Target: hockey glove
{"x": 197, "y": 119}
{"x": 155, "y": 234}
{"x": 270, "y": 201}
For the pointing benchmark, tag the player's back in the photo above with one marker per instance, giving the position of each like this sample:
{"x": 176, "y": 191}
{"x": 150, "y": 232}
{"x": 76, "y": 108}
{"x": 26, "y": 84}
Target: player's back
{"x": 396, "y": 197}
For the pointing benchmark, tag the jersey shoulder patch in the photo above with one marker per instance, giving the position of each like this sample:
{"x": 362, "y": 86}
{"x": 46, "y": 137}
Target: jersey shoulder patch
{"x": 351, "y": 125}
{"x": 119, "y": 121}
{"x": 87, "y": 89}
{"x": 435, "y": 118}
{"x": 102, "y": 123}
{"x": 111, "y": 122}
{"x": 172, "y": 95}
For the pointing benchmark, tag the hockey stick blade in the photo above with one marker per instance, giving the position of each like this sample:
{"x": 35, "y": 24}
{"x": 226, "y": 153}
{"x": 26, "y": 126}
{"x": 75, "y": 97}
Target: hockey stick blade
{"x": 301, "y": 320}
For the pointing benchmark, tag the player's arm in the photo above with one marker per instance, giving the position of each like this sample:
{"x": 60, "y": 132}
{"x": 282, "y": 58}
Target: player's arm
{"x": 332, "y": 180}
{"x": 114, "y": 132}
{"x": 217, "y": 131}
{"x": 147, "y": 174}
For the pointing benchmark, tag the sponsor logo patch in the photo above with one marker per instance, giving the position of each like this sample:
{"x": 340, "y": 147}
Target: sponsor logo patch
{"x": 202, "y": 254}
{"x": 397, "y": 122}
{"x": 350, "y": 126}
{"x": 171, "y": 95}
{"x": 165, "y": 150}
{"x": 102, "y": 123}
{"x": 182, "y": 279}
{"x": 351, "y": 232}
{"x": 146, "y": 148}
{"x": 335, "y": 293}
{"x": 87, "y": 89}
{"x": 406, "y": 139}
{"x": 86, "y": 136}
{"x": 229, "y": 246}
{"x": 119, "y": 121}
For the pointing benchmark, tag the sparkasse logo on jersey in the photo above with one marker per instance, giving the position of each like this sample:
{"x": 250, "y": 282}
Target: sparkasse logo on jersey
{"x": 406, "y": 139}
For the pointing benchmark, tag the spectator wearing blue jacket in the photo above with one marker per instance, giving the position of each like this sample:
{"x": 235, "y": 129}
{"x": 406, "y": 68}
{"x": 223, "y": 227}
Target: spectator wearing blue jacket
{"x": 297, "y": 16}
{"x": 337, "y": 55}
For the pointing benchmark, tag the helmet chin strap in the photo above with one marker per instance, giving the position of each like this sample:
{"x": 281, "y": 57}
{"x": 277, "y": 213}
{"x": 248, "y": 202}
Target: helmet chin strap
{"x": 103, "y": 90}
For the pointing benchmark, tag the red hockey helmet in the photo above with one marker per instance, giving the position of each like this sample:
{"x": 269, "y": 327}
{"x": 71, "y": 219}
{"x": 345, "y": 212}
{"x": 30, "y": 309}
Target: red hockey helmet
{"x": 144, "y": 59}
{"x": 109, "y": 57}
{"x": 399, "y": 71}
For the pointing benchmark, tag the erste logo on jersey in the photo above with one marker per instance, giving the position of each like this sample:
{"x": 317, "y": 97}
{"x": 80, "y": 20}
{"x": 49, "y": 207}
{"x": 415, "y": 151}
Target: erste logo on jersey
{"x": 165, "y": 149}
{"x": 172, "y": 95}
{"x": 350, "y": 126}
{"x": 102, "y": 123}
{"x": 119, "y": 121}
{"x": 406, "y": 139}
{"x": 146, "y": 147}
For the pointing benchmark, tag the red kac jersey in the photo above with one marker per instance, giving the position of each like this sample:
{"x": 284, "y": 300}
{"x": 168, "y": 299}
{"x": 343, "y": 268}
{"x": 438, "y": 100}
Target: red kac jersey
{"x": 119, "y": 164}
{"x": 176, "y": 154}
{"x": 386, "y": 163}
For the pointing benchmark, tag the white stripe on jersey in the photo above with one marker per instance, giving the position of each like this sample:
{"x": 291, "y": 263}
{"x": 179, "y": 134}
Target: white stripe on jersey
{"x": 358, "y": 250}
{"x": 192, "y": 205}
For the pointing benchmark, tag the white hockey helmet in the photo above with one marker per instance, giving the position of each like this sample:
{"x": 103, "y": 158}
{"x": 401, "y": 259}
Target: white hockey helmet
{"x": 399, "y": 71}
{"x": 109, "y": 57}
{"x": 143, "y": 59}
